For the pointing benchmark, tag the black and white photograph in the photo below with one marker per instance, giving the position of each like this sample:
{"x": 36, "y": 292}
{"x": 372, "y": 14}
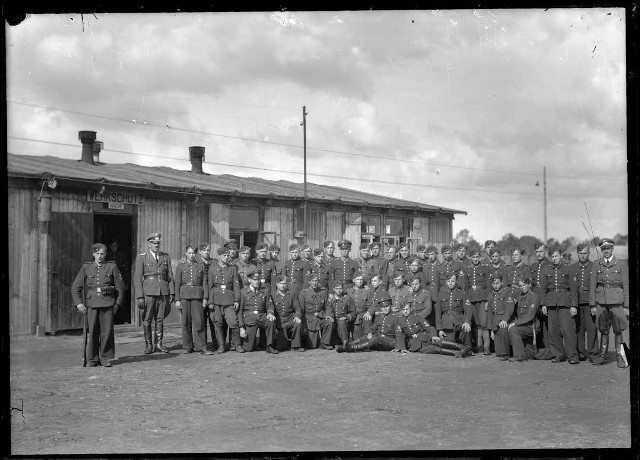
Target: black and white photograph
{"x": 320, "y": 232}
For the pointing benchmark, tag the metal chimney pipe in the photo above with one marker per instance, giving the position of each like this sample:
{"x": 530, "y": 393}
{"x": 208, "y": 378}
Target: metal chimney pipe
{"x": 97, "y": 148}
{"x": 87, "y": 138}
{"x": 196, "y": 156}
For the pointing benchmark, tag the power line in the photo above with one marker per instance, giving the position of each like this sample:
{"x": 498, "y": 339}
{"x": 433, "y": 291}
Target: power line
{"x": 329, "y": 176}
{"x": 317, "y": 149}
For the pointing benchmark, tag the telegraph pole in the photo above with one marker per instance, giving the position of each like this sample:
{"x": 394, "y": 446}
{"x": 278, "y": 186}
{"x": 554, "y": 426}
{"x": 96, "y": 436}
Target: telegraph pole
{"x": 304, "y": 131}
{"x": 544, "y": 191}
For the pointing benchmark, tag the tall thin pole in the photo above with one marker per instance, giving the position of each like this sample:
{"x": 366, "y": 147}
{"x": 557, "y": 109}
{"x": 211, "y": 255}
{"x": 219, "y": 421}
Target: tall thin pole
{"x": 544, "y": 188}
{"x": 304, "y": 130}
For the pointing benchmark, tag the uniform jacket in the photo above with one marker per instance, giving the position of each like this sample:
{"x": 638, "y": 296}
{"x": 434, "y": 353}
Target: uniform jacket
{"x": 500, "y": 307}
{"x": 223, "y": 284}
{"x": 191, "y": 281}
{"x": 253, "y": 306}
{"x": 321, "y": 270}
{"x": 265, "y": 268}
{"x": 375, "y": 298}
{"x": 367, "y": 267}
{"x": 278, "y": 269}
{"x": 343, "y": 269}
{"x": 360, "y": 297}
{"x": 153, "y": 277}
{"x": 205, "y": 264}
{"x": 294, "y": 270}
{"x": 527, "y": 308}
{"x": 243, "y": 269}
{"x": 432, "y": 274}
{"x": 380, "y": 265}
{"x": 408, "y": 327}
{"x": 466, "y": 262}
{"x": 536, "y": 273}
{"x": 312, "y": 302}
{"x": 476, "y": 281}
{"x": 559, "y": 286}
{"x": 581, "y": 273}
{"x": 106, "y": 278}
{"x": 285, "y": 306}
{"x": 514, "y": 272}
{"x": 417, "y": 275}
{"x": 452, "y": 308}
{"x": 400, "y": 296}
{"x": 122, "y": 262}
{"x": 385, "y": 325}
{"x": 421, "y": 303}
{"x": 449, "y": 268}
{"x": 609, "y": 282}
{"x": 343, "y": 306}
{"x": 493, "y": 271}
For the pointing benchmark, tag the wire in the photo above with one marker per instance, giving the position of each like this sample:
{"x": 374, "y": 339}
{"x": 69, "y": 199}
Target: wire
{"x": 330, "y": 176}
{"x": 262, "y": 141}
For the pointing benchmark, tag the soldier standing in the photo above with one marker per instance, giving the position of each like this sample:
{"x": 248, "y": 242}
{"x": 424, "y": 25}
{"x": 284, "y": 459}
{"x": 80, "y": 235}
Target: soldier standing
{"x": 522, "y": 327}
{"x": 360, "y": 293}
{"x": 400, "y": 293}
{"x": 560, "y": 305}
{"x": 586, "y": 322}
{"x": 404, "y": 259}
{"x": 516, "y": 271}
{"x": 232, "y": 246}
{"x": 390, "y": 255}
{"x": 343, "y": 267}
{"x": 379, "y": 262}
{"x": 154, "y": 288}
{"x": 536, "y": 271}
{"x": 288, "y": 313}
{"x": 489, "y": 246}
{"x": 319, "y": 268}
{"x": 278, "y": 265}
{"x": 294, "y": 270}
{"x": 306, "y": 253}
{"x": 496, "y": 266}
{"x": 500, "y": 310}
{"x": 432, "y": 272}
{"x": 416, "y": 272}
{"x": 366, "y": 265}
{"x": 224, "y": 297}
{"x": 264, "y": 266}
{"x": 204, "y": 257}
{"x": 328, "y": 248}
{"x": 610, "y": 292}
{"x": 244, "y": 266}
{"x": 102, "y": 287}
{"x": 476, "y": 278}
{"x": 461, "y": 252}
{"x": 453, "y": 313}
{"x": 317, "y": 317}
{"x": 191, "y": 286}
{"x": 449, "y": 267}
{"x": 255, "y": 314}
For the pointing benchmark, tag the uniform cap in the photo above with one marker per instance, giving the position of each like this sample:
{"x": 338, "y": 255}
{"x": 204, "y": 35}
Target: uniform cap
{"x": 293, "y": 247}
{"x": 375, "y": 244}
{"x": 262, "y": 245}
{"x": 540, "y": 246}
{"x": 398, "y": 275}
{"x": 432, "y": 249}
{"x": 421, "y": 247}
{"x": 494, "y": 251}
{"x": 231, "y": 244}
{"x": 314, "y": 276}
{"x": 317, "y": 252}
{"x": 222, "y": 251}
{"x": 344, "y": 244}
{"x": 304, "y": 247}
{"x": 489, "y": 243}
{"x": 338, "y": 283}
{"x": 461, "y": 246}
{"x": 245, "y": 249}
{"x": 364, "y": 246}
{"x": 154, "y": 237}
{"x": 385, "y": 298}
{"x": 445, "y": 247}
{"x": 253, "y": 274}
{"x": 474, "y": 251}
{"x": 580, "y": 246}
{"x": 274, "y": 247}
{"x": 358, "y": 274}
{"x": 404, "y": 246}
{"x": 203, "y": 246}
{"x": 280, "y": 278}
{"x": 606, "y": 243}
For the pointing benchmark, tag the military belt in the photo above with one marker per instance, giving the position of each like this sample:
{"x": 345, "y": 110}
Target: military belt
{"x": 611, "y": 285}
{"x": 561, "y": 290}
{"x": 153, "y": 277}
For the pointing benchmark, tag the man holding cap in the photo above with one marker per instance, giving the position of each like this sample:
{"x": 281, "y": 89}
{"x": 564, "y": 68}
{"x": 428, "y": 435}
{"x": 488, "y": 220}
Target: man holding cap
{"x": 154, "y": 290}
{"x": 581, "y": 272}
{"x": 288, "y": 313}
{"x": 343, "y": 267}
{"x": 255, "y": 313}
{"x": 224, "y": 296}
{"x": 610, "y": 291}
{"x": 101, "y": 284}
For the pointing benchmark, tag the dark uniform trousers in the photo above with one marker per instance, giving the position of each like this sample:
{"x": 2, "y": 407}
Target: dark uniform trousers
{"x": 543, "y": 320}
{"x": 292, "y": 331}
{"x": 316, "y": 328}
{"x": 377, "y": 342}
{"x": 100, "y": 340}
{"x": 518, "y": 335}
{"x": 192, "y": 315}
{"x": 562, "y": 325}
{"x": 586, "y": 325}
{"x": 154, "y": 309}
{"x": 251, "y": 325}
{"x": 458, "y": 335}
{"x": 361, "y": 326}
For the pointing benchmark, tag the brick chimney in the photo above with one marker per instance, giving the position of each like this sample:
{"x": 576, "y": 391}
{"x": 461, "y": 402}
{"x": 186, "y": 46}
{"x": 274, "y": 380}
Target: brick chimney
{"x": 196, "y": 155}
{"x": 87, "y": 138}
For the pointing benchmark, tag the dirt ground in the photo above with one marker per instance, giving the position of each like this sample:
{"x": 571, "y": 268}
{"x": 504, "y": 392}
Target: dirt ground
{"x": 314, "y": 401}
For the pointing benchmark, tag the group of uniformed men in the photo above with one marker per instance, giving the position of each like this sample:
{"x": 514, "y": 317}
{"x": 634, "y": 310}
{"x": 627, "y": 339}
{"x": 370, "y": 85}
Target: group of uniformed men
{"x": 396, "y": 302}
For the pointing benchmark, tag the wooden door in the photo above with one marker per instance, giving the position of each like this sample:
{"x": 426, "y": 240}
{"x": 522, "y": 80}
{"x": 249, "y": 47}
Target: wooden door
{"x": 71, "y": 240}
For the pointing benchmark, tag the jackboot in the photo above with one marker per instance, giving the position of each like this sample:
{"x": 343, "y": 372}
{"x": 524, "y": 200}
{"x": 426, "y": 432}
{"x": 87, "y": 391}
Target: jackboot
{"x": 148, "y": 342}
{"x": 357, "y": 345}
{"x": 447, "y": 352}
{"x": 621, "y": 357}
{"x": 451, "y": 345}
{"x": 604, "y": 347}
{"x": 220, "y": 339}
{"x": 159, "y": 346}
{"x": 235, "y": 341}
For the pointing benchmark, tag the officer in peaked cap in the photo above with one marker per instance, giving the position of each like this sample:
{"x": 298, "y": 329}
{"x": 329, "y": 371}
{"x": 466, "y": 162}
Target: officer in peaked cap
{"x": 610, "y": 291}
{"x": 154, "y": 291}
{"x": 342, "y": 268}
{"x": 232, "y": 245}
{"x": 344, "y": 244}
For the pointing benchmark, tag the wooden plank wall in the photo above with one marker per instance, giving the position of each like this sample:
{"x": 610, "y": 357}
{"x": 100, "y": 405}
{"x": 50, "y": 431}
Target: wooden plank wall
{"x": 280, "y": 220}
{"x": 196, "y": 223}
{"x": 218, "y": 225}
{"x": 420, "y": 229}
{"x": 23, "y": 260}
{"x": 316, "y": 228}
{"x": 440, "y": 231}
{"x": 352, "y": 232}
{"x": 335, "y": 226}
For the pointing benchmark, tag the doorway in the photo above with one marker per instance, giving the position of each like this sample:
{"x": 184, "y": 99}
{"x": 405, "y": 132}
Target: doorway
{"x": 246, "y": 238}
{"x": 116, "y": 232}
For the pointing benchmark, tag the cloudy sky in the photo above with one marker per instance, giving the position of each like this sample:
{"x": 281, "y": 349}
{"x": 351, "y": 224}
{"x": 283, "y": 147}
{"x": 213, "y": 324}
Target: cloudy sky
{"x": 455, "y": 108}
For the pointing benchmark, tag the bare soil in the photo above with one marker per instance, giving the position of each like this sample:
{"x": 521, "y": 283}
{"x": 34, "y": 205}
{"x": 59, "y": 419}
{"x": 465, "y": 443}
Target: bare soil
{"x": 314, "y": 401}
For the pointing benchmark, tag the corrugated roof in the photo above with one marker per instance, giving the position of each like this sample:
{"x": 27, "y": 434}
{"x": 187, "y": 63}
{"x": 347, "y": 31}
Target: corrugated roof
{"x": 161, "y": 177}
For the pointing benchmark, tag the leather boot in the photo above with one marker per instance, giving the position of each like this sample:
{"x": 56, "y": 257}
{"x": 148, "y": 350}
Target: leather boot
{"x": 159, "y": 346}
{"x": 451, "y": 345}
{"x": 148, "y": 342}
{"x": 341, "y": 348}
{"x": 220, "y": 339}
{"x": 604, "y": 347}
{"x": 357, "y": 345}
{"x": 447, "y": 352}
{"x": 621, "y": 357}
{"x": 235, "y": 340}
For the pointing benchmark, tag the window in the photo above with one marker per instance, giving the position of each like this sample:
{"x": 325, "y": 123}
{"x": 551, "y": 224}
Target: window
{"x": 243, "y": 218}
{"x": 370, "y": 228}
{"x": 394, "y": 231}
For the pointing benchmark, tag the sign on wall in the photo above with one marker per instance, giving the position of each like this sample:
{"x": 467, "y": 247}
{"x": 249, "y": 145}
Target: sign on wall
{"x": 116, "y": 200}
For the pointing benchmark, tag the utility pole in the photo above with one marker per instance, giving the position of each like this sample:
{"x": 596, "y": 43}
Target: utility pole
{"x": 544, "y": 191}
{"x": 304, "y": 131}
